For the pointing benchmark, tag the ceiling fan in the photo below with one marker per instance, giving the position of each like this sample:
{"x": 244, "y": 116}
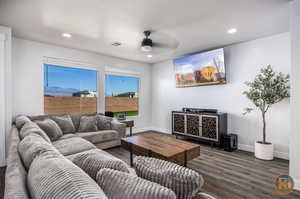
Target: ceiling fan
{"x": 148, "y": 45}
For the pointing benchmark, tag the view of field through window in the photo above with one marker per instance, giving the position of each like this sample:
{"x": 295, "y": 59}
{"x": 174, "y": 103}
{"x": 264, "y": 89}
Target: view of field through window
{"x": 122, "y": 94}
{"x": 69, "y": 90}
{"x": 74, "y": 91}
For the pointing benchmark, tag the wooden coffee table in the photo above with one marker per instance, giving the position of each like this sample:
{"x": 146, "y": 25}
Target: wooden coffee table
{"x": 162, "y": 147}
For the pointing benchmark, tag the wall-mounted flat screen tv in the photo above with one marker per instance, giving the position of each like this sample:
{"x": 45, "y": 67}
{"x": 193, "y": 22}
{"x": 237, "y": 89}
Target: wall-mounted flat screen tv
{"x": 207, "y": 68}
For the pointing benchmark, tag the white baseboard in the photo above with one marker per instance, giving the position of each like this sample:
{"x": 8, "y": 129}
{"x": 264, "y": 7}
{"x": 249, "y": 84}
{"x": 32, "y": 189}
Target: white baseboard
{"x": 138, "y": 130}
{"x": 277, "y": 154}
{"x": 245, "y": 147}
{"x": 297, "y": 185}
{"x": 162, "y": 130}
{"x": 281, "y": 155}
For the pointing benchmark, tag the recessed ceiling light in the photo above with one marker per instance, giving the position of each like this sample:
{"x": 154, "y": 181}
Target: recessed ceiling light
{"x": 149, "y": 56}
{"x": 116, "y": 44}
{"x": 232, "y": 31}
{"x": 67, "y": 35}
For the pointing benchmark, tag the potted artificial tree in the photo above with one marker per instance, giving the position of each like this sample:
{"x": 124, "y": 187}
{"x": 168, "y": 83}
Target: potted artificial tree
{"x": 268, "y": 88}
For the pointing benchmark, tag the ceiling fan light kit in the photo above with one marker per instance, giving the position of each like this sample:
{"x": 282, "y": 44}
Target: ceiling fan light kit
{"x": 147, "y": 42}
{"x": 146, "y": 48}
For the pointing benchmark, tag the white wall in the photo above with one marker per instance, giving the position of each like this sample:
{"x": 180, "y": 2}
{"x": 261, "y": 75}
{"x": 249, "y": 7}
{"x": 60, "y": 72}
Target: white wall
{"x": 295, "y": 97}
{"x": 243, "y": 62}
{"x": 2, "y": 99}
{"x": 27, "y": 67}
{"x": 5, "y": 90}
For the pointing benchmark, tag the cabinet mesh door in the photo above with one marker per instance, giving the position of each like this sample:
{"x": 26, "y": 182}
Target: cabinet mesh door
{"x": 209, "y": 127}
{"x": 192, "y": 125}
{"x": 179, "y": 123}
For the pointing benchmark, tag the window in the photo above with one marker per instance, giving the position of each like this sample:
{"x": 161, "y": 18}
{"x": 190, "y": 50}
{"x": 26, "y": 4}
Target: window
{"x": 69, "y": 90}
{"x": 122, "y": 94}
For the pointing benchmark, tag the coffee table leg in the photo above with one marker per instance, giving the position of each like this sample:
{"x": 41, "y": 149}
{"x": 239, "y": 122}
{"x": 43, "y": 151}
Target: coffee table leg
{"x": 185, "y": 158}
{"x": 149, "y": 153}
{"x": 131, "y": 156}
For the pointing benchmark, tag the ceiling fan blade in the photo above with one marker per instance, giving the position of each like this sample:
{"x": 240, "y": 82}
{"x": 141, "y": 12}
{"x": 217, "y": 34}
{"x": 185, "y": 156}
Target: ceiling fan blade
{"x": 165, "y": 45}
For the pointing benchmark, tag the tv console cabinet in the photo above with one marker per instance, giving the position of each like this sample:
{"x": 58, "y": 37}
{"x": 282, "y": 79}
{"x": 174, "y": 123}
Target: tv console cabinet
{"x": 208, "y": 127}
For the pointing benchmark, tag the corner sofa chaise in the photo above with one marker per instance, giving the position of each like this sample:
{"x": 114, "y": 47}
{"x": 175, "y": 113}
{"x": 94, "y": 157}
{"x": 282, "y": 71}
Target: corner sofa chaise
{"x": 61, "y": 157}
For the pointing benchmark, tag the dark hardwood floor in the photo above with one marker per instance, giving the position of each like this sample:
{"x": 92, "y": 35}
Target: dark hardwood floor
{"x": 233, "y": 175}
{"x": 2, "y": 181}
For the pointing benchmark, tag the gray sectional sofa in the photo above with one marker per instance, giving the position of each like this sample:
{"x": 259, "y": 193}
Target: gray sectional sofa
{"x": 59, "y": 157}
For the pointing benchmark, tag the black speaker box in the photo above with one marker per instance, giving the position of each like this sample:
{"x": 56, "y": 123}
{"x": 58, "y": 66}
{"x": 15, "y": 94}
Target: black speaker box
{"x": 230, "y": 142}
{"x": 109, "y": 114}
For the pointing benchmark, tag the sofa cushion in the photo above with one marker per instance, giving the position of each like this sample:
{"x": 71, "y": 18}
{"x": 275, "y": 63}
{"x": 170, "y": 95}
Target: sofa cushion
{"x": 93, "y": 160}
{"x": 120, "y": 185}
{"x": 72, "y": 145}
{"x": 99, "y": 136}
{"x": 21, "y": 120}
{"x": 57, "y": 178}
{"x": 88, "y": 124}
{"x": 31, "y": 127}
{"x": 76, "y": 119}
{"x": 51, "y": 128}
{"x": 33, "y": 145}
{"x": 71, "y": 157}
{"x": 103, "y": 122}
{"x": 120, "y": 127}
{"x": 40, "y": 117}
{"x": 67, "y": 136}
{"x": 65, "y": 123}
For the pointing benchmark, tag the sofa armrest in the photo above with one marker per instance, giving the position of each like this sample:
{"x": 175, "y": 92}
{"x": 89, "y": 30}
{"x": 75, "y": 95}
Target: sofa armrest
{"x": 119, "y": 127}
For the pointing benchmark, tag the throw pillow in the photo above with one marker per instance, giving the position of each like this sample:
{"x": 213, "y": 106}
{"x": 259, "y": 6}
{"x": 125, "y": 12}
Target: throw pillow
{"x": 120, "y": 185}
{"x": 94, "y": 160}
{"x": 76, "y": 119}
{"x": 21, "y": 120}
{"x": 65, "y": 123}
{"x": 50, "y": 128}
{"x": 31, "y": 127}
{"x": 104, "y": 123}
{"x": 88, "y": 124}
{"x": 33, "y": 145}
{"x": 185, "y": 182}
{"x": 59, "y": 178}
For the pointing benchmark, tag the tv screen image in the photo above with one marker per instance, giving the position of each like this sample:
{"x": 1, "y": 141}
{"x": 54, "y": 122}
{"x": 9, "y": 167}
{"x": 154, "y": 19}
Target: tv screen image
{"x": 207, "y": 68}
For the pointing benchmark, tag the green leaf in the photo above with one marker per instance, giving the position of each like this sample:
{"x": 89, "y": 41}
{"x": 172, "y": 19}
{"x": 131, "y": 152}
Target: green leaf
{"x": 247, "y": 110}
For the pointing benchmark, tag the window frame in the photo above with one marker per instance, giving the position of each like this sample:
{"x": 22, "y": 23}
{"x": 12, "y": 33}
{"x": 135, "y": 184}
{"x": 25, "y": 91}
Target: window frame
{"x": 125, "y": 74}
{"x": 102, "y": 70}
{"x": 76, "y": 65}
